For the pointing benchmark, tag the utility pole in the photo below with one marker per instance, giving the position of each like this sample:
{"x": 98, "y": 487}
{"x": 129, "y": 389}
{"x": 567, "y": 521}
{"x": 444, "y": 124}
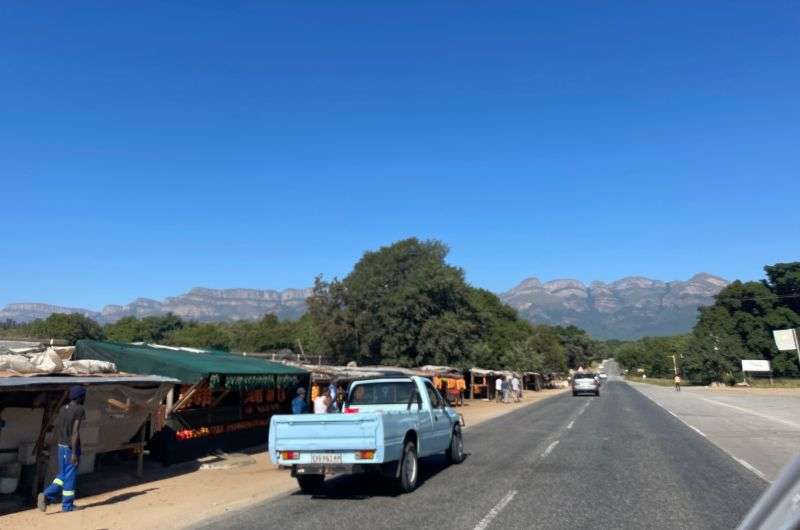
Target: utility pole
{"x": 674, "y": 364}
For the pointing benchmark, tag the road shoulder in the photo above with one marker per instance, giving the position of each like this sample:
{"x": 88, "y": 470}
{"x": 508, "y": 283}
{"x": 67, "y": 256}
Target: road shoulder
{"x": 753, "y": 429}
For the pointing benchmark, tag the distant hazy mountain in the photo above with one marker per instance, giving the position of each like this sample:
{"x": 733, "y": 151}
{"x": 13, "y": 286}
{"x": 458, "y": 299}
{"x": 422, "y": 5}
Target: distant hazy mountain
{"x": 629, "y": 308}
{"x": 199, "y": 304}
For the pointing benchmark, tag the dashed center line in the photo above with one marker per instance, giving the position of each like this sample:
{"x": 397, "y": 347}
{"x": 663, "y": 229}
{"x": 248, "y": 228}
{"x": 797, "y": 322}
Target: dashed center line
{"x": 549, "y": 449}
{"x": 495, "y": 511}
{"x": 569, "y": 426}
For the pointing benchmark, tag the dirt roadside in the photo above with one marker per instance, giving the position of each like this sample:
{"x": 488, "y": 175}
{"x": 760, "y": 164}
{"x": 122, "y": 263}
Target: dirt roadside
{"x": 182, "y": 495}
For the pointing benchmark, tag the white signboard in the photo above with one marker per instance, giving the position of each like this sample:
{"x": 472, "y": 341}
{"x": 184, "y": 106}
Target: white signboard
{"x": 785, "y": 339}
{"x": 755, "y": 366}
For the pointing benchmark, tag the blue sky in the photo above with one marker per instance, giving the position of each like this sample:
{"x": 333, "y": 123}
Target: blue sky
{"x": 153, "y": 147}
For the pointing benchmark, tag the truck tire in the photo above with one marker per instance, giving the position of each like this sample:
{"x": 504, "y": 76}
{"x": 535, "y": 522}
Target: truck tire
{"x": 310, "y": 483}
{"x": 409, "y": 469}
{"x": 455, "y": 454}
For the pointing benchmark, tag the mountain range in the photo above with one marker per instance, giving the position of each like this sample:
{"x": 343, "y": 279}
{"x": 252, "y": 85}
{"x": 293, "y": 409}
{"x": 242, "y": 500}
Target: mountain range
{"x": 624, "y": 309}
{"x": 629, "y": 308}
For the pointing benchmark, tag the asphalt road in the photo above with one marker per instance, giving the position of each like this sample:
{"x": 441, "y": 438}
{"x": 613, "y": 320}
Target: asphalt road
{"x": 617, "y": 461}
{"x": 761, "y": 431}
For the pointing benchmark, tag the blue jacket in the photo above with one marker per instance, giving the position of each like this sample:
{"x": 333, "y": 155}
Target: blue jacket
{"x": 299, "y": 405}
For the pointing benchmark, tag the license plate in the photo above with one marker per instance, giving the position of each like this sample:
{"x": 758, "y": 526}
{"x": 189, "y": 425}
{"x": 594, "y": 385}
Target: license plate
{"x": 329, "y": 458}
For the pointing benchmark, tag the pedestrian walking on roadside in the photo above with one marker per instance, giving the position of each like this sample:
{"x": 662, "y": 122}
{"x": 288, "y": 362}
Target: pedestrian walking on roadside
{"x": 677, "y": 383}
{"x": 506, "y": 389}
{"x": 498, "y": 389}
{"x": 68, "y": 426}
{"x": 299, "y": 405}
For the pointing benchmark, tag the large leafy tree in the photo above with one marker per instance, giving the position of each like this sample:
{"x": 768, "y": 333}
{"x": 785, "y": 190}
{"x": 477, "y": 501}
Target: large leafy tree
{"x": 67, "y": 326}
{"x": 402, "y": 304}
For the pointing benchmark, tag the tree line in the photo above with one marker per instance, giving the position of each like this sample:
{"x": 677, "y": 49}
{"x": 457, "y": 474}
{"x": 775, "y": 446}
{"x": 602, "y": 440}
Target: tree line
{"x": 402, "y": 304}
{"x": 738, "y": 325}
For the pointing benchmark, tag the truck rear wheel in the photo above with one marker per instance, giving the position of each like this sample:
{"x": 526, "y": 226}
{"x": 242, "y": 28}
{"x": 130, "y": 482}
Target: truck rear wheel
{"x": 456, "y": 451}
{"x": 310, "y": 483}
{"x": 409, "y": 468}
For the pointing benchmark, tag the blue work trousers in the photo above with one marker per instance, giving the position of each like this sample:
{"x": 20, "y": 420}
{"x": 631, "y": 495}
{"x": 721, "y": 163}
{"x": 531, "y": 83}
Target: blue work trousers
{"x": 64, "y": 484}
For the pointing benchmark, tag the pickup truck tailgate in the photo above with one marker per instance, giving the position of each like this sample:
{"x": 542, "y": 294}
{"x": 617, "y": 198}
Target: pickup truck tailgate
{"x": 325, "y": 433}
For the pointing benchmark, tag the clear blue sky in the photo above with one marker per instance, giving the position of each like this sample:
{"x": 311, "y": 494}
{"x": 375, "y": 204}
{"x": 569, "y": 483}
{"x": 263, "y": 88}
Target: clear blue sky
{"x": 146, "y": 148}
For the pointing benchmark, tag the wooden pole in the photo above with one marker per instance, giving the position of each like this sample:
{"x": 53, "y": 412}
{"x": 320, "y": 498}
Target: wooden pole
{"x": 188, "y": 396}
{"x": 170, "y": 401}
{"x": 142, "y": 441}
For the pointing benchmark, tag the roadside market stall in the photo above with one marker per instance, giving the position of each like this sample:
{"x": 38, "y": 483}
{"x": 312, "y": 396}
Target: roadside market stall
{"x": 323, "y": 376}
{"x": 450, "y": 382}
{"x": 481, "y": 383}
{"x": 117, "y": 410}
{"x": 223, "y": 401}
{"x": 532, "y": 381}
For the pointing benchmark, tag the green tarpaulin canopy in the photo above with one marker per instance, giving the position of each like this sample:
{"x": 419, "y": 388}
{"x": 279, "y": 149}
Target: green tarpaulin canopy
{"x": 224, "y": 370}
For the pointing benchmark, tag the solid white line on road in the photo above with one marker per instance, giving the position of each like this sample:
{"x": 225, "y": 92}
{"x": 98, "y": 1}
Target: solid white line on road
{"x": 753, "y": 412}
{"x": 698, "y": 431}
{"x": 549, "y": 448}
{"x": 751, "y": 468}
{"x": 743, "y": 463}
{"x": 571, "y": 424}
{"x": 494, "y": 512}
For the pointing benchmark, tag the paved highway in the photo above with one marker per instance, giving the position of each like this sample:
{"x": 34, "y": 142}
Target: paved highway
{"x": 617, "y": 461}
{"x": 761, "y": 431}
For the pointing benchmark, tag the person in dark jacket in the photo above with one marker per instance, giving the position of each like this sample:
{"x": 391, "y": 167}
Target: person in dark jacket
{"x": 68, "y": 425}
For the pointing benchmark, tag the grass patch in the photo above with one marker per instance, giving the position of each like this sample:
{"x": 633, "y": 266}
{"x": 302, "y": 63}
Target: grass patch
{"x": 778, "y": 382}
{"x": 655, "y": 381}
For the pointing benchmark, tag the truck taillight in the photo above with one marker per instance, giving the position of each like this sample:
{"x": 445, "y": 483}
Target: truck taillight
{"x": 350, "y": 410}
{"x": 365, "y": 455}
{"x": 290, "y": 455}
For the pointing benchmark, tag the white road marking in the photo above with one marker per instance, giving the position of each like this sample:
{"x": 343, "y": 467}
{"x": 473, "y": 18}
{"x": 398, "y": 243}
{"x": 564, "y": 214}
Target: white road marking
{"x": 743, "y": 463}
{"x": 549, "y": 448}
{"x": 751, "y": 468}
{"x": 753, "y": 412}
{"x": 494, "y": 512}
{"x": 698, "y": 431}
{"x": 571, "y": 424}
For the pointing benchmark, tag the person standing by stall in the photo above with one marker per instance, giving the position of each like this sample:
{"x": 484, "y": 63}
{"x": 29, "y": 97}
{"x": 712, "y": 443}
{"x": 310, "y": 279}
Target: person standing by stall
{"x": 299, "y": 405}
{"x": 68, "y": 426}
{"x": 322, "y": 403}
{"x": 498, "y": 389}
{"x": 515, "y": 388}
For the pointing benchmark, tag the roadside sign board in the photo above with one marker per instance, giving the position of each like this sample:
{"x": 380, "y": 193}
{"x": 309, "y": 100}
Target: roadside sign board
{"x": 785, "y": 339}
{"x": 755, "y": 366}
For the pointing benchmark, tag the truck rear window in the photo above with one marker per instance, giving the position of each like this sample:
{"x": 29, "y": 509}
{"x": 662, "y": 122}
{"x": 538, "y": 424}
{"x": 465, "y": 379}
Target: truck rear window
{"x": 382, "y": 393}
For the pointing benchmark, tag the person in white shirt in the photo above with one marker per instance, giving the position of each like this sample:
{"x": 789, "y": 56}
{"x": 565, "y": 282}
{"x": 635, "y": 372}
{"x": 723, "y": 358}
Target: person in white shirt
{"x": 498, "y": 389}
{"x": 322, "y": 403}
{"x": 515, "y": 388}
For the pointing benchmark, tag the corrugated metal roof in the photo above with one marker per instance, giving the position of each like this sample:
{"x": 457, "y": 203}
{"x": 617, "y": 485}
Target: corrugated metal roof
{"x": 15, "y": 383}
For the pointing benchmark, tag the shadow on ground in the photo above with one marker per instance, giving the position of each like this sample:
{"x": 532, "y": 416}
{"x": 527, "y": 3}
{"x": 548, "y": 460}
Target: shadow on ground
{"x": 366, "y": 486}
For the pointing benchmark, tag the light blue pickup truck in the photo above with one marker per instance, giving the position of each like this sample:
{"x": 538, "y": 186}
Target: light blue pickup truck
{"x": 387, "y": 425}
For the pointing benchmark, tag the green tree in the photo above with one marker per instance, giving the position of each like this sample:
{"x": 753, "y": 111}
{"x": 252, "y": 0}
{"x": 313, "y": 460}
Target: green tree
{"x": 207, "y": 336}
{"x": 71, "y": 327}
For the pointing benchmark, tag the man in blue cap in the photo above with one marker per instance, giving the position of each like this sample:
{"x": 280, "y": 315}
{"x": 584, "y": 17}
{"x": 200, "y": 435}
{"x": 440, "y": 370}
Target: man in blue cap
{"x": 68, "y": 425}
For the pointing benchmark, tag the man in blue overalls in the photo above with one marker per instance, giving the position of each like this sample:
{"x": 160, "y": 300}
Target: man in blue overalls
{"x": 68, "y": 425}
